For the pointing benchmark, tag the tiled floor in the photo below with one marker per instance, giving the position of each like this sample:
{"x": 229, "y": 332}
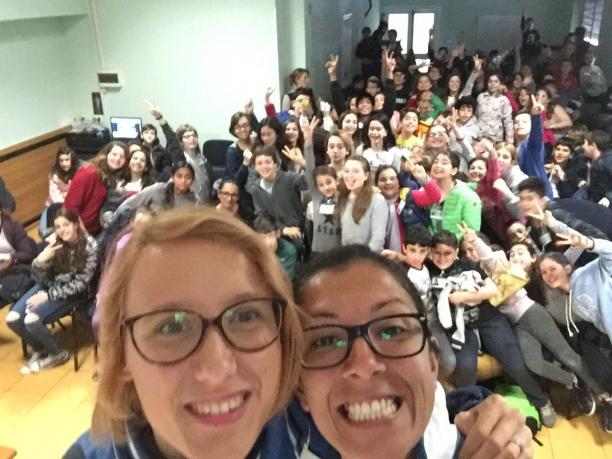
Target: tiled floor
{"x": 41, "y": 415}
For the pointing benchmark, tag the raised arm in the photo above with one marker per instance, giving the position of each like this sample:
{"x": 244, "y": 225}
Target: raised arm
{"x": 489, "y": 262}
{"x": 429, "y": 193}
{"x": 389, "y": 85}
{"x": 269, "y": 106}
{"x": 173, "y": 146}
{"x": 309, "y": 156}
{"x": 469, "y": 84}
{"x": 336, "y": 90}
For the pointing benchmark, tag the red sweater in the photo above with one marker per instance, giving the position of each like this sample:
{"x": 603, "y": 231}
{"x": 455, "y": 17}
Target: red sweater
{"x": 86, "y": 196}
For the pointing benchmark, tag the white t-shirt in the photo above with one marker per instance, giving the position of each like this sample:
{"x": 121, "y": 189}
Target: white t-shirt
{"x": 422, "y": 282}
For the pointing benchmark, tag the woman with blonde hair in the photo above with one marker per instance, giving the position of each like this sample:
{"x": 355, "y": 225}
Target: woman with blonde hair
{"x": 221, "y": 340}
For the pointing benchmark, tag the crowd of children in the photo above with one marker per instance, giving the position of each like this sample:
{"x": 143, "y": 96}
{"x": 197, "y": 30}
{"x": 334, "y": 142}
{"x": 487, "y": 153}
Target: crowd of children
{"x": 494, "y": 194}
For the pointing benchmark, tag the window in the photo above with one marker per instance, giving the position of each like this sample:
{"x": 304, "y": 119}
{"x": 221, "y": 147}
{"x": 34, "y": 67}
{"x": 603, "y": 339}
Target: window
{"x": 413, "y": 31}
{"x": 421, "y": 25}
{"x": 591, "y": 20}
{"x": 400, "y": 22}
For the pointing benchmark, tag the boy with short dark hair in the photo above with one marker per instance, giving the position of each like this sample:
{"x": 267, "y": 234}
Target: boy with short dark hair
{"x": 278, "y": 193}
{"x": 533, "y": 203}
{"x": 285, "y": 251}
{"x": 597, "y": 148}
{"x": 417, "y": 243}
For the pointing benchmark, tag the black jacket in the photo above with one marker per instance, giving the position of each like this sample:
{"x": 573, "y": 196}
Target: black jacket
{"x": 600, "y": 185}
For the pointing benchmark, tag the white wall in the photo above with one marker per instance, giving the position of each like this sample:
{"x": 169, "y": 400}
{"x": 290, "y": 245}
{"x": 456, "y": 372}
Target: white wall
{"x": 200, "y": 60}
{"x": 291, "y": 23}
{"x": 40, "y": 80}
{"x": 12, "y": 10}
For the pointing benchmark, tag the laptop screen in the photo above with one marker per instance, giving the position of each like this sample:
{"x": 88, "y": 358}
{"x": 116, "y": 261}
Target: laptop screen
{"x": 125, "y": 128}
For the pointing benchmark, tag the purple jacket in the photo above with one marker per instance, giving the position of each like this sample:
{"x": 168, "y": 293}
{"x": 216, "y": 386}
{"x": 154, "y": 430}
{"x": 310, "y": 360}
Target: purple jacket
{"x": 25, "y": 248}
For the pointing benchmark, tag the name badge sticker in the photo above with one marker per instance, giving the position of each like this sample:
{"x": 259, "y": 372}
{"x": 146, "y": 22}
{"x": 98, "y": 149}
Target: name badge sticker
{"x": 327, "y": 209}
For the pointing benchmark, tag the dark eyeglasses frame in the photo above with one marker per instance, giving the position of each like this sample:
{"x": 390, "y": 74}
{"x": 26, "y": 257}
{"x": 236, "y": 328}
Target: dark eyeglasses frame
{"x": 278, "y": 304}
{"x": 357, "y": 331}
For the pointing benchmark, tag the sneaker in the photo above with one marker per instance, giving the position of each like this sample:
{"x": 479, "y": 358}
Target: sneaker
{"x": 548, "y": 415}
{"x": 606, "y": 418}
{"x": 585, "y": 399}
{"x": 35, "y": 357}
{"x": 50, "y": 361}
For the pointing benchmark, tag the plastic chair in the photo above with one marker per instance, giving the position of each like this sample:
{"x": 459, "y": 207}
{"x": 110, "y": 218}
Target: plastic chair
{"x": 215, "y": 153}
{"x": 79, "y": 308}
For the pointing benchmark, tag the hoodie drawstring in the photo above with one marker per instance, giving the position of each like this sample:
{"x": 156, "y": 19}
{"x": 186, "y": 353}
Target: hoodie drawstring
{"x": 568, "y": 315}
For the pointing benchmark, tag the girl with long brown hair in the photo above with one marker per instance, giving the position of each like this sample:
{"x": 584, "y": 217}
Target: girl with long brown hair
{"x": 62, "y": 271}
{"x": 363, "y": 213}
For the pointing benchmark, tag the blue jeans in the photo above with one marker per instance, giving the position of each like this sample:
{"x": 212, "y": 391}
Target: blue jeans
{"x": 31, "y": 326}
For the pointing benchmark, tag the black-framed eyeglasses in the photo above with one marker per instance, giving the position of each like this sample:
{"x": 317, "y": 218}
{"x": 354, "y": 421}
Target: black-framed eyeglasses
{"x": 168, "y": 336}
{"x": 395, "y": 337}
{"x": 229, "y": 195}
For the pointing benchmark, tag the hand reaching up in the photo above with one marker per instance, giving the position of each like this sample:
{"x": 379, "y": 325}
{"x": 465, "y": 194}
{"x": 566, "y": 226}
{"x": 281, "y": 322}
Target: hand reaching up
{"x": 469, "y": 235}
{"x": 295, "y": 155}
{"x": 269, "y": 91}
{"x": 477, "y": 64}
{"x": 154, "y": 109}
{"x": 536, "y": 107}
{"x": 575, "y": 240}
{"x": 248, "y": 107}
{"x": 331, "y": 66}
{"x": 388, "y": 63}
{"x": 309, "y": 128}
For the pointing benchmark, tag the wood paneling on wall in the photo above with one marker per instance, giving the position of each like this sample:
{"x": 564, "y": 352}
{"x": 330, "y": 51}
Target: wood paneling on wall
{"x": 25, "y": 169}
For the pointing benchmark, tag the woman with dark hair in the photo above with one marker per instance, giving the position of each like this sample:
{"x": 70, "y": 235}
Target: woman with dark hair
{"x": 483, "y": 171}
{"x": 293, "y": 133}
{"x": 63, "y": 169}
{"x": 241, "y": 128}
{"x": 378, "y": 146}
{"x": 362, "y": 213}
{"x": 271, "y": 133}
{"x": 91, "y": 183}
{"x": 454, "y": 90}
{"x": 370, "y": 367}
{"x": 349, "y": 123}
{"x": 238, "y": 156}
{"x": 458, "y": 202}
{"x": 140, "y": 172}
{"x": 229, "y": 201}
{"x": 156, "y": 198}
{"x": 162, "y": 196}
{"x": 62, "y": 271}
{"x": 555, "y": 118}
{"x": 158, "y": 155}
